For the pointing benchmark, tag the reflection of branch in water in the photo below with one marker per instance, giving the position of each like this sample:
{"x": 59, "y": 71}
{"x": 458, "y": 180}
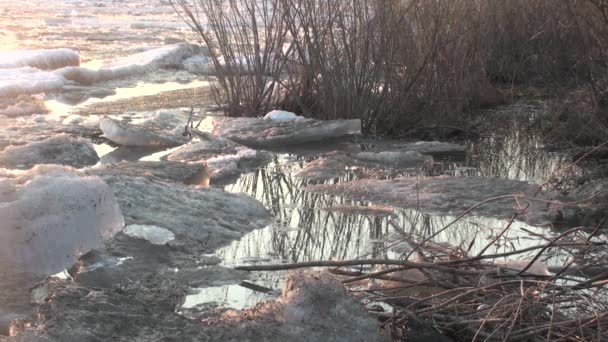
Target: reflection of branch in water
{"x": 302, "y": 230}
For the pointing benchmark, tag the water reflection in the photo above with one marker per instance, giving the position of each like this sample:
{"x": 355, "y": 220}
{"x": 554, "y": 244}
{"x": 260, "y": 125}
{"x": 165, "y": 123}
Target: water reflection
{"x": 305, "y": 231}
{"x": 510, "y": 146}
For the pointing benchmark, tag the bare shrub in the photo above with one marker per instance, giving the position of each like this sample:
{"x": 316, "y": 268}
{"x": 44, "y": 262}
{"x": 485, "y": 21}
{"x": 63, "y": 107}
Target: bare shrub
{"x": 245, "y": 39}
{"x": 394, "y": 63}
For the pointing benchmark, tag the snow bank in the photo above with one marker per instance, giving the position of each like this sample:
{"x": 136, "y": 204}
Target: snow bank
{"x": 267, "y": 133}
{"x": 395, "y": 158}
{"x": 60, "y": 149}
{"x": 282, "y": 116}
{"x": 140, "y": 63}
{"x": 162, "y": 129}
{"x": 40, "y": 59}
{"x": 28, "y": 80}
{"x": 51, "y": 216}
{"x": 155, "y": 235}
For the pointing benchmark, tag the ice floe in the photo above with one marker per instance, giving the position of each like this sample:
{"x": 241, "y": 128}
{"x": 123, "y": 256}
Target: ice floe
{"x": 394, "y": 157}
{"x": 51, "y": 216}
{"x": 450, "y": 195}
{"x": 155, "y": 235}
{"x": 60, "y": 149}
{"x": 199, "y": 217}
{"x": 23, "y": 108}
{"x": 189, "y": 173}
{"x": 140, "y": 63}
{"x": 432, "y": 147}
{"x": 20, "y": 78}
{"x": 205, "y": 149}
{"x": 41, "y": 59}
{"x": 231, "y": 165}
{"x": 267, "y": 133}
{"x": 162, "y": 129}
{"x": 323, "y": 169}
{"x": 28, "y": 80}
{"x": 363, "y": 164}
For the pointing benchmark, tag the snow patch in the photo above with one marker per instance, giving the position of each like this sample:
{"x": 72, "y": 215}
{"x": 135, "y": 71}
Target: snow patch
{"x": 282, "y": 116}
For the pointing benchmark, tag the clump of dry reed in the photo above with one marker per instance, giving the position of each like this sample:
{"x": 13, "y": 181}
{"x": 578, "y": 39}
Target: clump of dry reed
{"x": 393, "y": 63}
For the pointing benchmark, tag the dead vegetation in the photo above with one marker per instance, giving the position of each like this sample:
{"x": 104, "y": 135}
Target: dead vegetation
{"x": 483, "y": 289}
{"x": 395, "y": 63}
{"x": 485, "y": 296}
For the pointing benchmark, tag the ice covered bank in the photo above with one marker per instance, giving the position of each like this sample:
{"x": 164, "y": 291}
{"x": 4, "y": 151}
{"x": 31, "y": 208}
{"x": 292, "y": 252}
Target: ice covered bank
{"x": 51, "y": 216}
{"x": 313, "y": 307}
{"x": 272, "y": 133}
{"x": 161, "y": 129}
{"x": 60, "y": 149}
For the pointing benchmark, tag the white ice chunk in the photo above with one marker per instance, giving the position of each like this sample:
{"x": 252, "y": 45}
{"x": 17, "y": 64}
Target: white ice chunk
{"x": 266, "y": 133}
{"x": 227, "y": 165}
{"x": 28, "y": 81}
{"x": 282, "y": 116}
{"x": 41, "y": 59}
{"x": 140, "y": 63}
{"x": 51, "y": 216}
{"x": 160, "y": 130}
{"x": 155, "y": 235}
{"x": 60, "y": 149}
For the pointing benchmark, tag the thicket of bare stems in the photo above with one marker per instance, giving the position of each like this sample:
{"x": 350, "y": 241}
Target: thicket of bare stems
{"x": 471, "y": 297}
{"x": 394, "y": 62}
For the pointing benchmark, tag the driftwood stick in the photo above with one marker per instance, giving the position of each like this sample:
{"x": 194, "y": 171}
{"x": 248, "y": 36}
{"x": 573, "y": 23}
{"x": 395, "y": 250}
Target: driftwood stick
{"x": 405, "y": 265}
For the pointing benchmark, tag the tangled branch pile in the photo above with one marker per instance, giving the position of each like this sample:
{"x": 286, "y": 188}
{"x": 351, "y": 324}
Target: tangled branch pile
{"x": 486, "y": 296}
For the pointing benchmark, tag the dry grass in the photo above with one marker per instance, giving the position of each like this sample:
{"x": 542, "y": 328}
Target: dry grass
{"x": 394, "y": 63}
